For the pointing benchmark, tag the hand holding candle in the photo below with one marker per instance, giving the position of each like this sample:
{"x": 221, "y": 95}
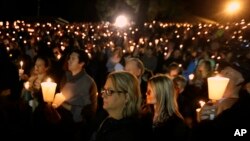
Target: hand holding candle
{"x": 59, "y": 99}
{"x": 202, "y": 103}
{"x": 48, "y": 89}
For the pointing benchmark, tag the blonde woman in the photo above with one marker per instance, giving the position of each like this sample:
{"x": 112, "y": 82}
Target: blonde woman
{"x": 167, "y": 120}
{"x": 122, "y": 101}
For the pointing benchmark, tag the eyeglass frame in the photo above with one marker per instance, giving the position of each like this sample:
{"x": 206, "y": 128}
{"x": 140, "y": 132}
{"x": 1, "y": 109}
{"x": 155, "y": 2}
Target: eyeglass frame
{"x": 110, "y": 92}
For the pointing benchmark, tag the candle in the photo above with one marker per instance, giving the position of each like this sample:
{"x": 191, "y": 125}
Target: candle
{"x": 216, "y": 87}
{"x": 191, "y": 76}
{"x": 198, "y": 114}
{"x": 59, "y": 99}
{"x": 202, "y": 103}
{"x": 21, "y": 64}
{"x": 26, "y": 85}
{"x": 131, "y": 48}
{"x": 48, "y": 89}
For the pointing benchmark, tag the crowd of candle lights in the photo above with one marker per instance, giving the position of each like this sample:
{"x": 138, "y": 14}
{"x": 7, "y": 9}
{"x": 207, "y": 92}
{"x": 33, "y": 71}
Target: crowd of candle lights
{"x": 133, "y": 39}
{"x": 91, "y": 36}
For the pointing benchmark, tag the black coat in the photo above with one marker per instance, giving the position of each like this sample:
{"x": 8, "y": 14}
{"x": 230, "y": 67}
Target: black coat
{"x": 127, "y": 129}
{"x": 173, "y": 128}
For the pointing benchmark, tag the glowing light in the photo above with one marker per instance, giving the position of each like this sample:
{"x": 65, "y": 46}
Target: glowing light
{"x": 202, "y": 103}
{"x": 181, "y": 46}
{"x": 191, "y": 76}
{"x": 121, "y": 21}
{"x": 232, "y": 7}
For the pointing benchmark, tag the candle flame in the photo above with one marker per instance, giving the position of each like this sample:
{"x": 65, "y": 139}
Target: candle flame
{"x": 202, "y": 103}
{"x": 27, "y": 85}
{"x": 49, "y": 80}
{"x": 21, "y": 64}
{"x": 191, "y": 76}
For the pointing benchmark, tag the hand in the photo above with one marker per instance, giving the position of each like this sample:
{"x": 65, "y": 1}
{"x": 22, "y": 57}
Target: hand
{"x": 208, "y": 112}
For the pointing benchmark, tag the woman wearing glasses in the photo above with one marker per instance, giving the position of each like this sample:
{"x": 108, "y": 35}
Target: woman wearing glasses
{"x": 121, "y": 100}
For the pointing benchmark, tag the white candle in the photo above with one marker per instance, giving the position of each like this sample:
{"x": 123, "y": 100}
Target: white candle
{"x": 48, "y": 89}
{"x": 59, "y": 99}
{"x": 198, "y": 114}
{"x": 21, "y": 64}
{"x": 216, "y": 87}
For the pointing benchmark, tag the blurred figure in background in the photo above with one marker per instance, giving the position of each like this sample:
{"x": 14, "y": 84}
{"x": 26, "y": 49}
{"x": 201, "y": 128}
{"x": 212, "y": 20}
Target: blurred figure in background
{"x": 172, "y": 70}
{"x": 136, "y": 67}
{"x": 114, "y": 62}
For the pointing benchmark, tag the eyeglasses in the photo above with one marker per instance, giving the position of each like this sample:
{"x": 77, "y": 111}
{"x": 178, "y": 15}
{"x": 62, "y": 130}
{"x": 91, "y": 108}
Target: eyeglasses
{"x": 109, "y": 92}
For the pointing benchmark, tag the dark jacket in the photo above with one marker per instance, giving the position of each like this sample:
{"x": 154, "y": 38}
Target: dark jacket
{"x": 173, "y": 128}
{"x": 127, "y": 129}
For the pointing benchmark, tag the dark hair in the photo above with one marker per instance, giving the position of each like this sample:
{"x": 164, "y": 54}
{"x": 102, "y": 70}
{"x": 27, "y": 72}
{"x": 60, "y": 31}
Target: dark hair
{"x": 46, "y": 60}
{"x": 170, "y": 67}
{"x": 3, "y": 53}
{"x": 82, "y": 56}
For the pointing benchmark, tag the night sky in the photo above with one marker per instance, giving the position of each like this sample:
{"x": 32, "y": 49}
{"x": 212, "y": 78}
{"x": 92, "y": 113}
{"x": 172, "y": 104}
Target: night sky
{"x": 85, "y": 10}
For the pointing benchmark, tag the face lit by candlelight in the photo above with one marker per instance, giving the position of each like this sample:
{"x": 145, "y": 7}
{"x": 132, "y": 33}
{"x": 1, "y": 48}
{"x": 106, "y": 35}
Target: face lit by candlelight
{"x": 114, "y": 102}
{"x": 73, "y": 62}
{"x": 134, "y": 66}
{"x": 40, "y": 67}
{"x": 151, "y": 95}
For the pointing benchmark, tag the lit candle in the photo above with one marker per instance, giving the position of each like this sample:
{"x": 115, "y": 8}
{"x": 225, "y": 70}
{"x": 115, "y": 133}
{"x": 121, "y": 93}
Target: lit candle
{"x": 58, "y": 56}
{"x": 21, "y": 64}
{"x": 59, "y": 99}
{"x": 202, "y": 103}
{"x": 156, "y": 41}
{"x": 216, "y": 87}
{"x": 131, "y": 48}
{"x": 26, "y": 85}
{"x": 191, "y": 76}
{"x": 48, "y": 89}
{"x": 21, "y": 71}
{"x": 198, "y": 114}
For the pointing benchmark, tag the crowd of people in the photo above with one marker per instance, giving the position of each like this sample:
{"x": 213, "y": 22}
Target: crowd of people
{"x": 131, "y": 83}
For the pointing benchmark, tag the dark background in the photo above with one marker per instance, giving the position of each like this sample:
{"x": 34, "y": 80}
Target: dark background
{"x": 86, "y": 10}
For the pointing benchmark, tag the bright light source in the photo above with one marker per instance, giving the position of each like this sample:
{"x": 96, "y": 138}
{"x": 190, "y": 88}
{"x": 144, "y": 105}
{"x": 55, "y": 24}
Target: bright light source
{"x": 121, "y": 21}
{"x": 233, "y": 7}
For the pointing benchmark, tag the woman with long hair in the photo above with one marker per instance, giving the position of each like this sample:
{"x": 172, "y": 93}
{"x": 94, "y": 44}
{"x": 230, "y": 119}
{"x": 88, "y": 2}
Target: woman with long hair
{"x": 167, "y": 120}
